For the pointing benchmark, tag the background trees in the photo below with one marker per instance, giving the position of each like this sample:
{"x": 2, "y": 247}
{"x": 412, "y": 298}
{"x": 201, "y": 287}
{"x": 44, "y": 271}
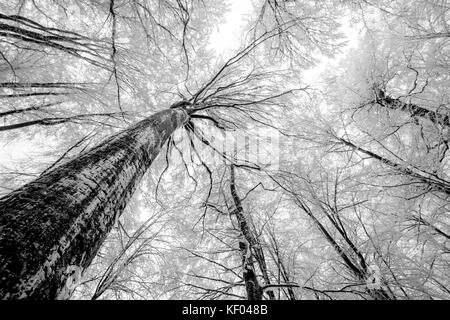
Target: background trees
{"x": 353, "y": 200}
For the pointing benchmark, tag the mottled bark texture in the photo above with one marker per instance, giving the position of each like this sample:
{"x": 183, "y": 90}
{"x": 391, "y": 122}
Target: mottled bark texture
{"x": 52, "y": 228}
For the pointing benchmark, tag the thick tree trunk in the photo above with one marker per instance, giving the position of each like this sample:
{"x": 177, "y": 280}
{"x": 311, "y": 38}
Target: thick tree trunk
{"x": 51, "y": 228}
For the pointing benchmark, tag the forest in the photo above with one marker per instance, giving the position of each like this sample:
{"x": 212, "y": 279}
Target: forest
{"x": 225, "y": 149}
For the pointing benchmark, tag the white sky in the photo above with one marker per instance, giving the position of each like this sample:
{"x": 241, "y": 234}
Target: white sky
{"x": 227, "y": 36}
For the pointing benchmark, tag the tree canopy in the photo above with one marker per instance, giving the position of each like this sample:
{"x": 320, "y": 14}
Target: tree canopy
{"x": 314, "y": 163}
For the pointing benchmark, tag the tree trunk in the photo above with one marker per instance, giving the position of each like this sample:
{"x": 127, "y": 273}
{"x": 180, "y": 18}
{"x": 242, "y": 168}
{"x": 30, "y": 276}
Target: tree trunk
{"x": 249, "y": 273}
{"x": 52, "y": 228}
{"x": 360, "y": 271}
{"x": 413, "y": 109}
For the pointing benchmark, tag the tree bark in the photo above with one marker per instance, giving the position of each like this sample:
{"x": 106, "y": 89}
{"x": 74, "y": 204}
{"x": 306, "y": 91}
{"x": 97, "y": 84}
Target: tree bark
{"x": 413, "y": 109}
{"x": 52, "y": 228}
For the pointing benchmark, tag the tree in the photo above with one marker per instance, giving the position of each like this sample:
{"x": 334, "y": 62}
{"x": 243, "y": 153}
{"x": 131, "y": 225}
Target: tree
{"x": 388, "y": 120}
{"x": 250, "y": 247}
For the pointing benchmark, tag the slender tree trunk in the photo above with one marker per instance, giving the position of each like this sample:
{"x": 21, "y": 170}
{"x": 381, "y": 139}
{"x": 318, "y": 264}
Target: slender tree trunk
{"x": 254, "y": 290}
{"x": 52, "y": 228}
{"x": 413, "y": 109}
{"x": 249, "y": 237}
